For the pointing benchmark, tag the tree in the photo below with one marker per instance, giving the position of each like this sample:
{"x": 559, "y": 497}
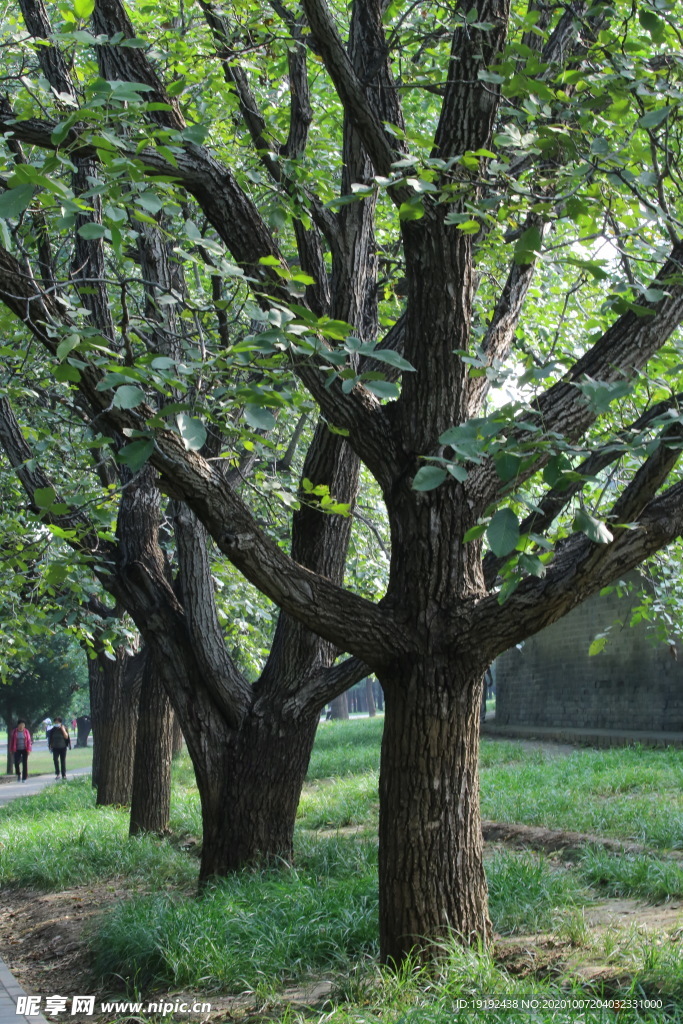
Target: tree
{"x": 518, "y": 166}
{"x": 42, "y": 684}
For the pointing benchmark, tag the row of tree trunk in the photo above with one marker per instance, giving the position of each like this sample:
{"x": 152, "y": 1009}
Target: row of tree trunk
{"x": 136, "y": 736}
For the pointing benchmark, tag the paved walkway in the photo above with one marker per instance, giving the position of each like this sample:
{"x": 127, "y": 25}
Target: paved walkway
{"x": 34, "y": 783}
{"x": 581, "y": 737}
{"x": 10, "y": 989}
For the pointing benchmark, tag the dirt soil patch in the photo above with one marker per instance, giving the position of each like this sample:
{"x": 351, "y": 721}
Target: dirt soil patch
{"x": 550, "y": 840}
{"x": 44, "y": 943}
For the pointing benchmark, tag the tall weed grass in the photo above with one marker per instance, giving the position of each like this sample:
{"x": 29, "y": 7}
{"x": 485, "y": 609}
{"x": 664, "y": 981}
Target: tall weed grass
{"x": 58, "y": 838}
{"x": 630, "y": 793}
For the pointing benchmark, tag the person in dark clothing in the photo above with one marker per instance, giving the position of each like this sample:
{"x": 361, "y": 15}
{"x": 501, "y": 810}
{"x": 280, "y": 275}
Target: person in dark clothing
{"x": 20, "y": 747}
{"x": 59, "y": 742}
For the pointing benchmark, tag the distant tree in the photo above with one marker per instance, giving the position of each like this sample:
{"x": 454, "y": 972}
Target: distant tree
{"x": 43, "y": 685}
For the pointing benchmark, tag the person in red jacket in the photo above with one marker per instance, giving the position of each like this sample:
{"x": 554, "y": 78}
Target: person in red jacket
{"x": 20, "y": 745}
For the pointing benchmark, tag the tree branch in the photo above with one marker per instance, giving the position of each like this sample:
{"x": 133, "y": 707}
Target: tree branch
{"x": 343, "y": 618}
{"x": 557, "y": 498}
{"x": 330, "y": 683}
{"x": 621, "y": 351}
{"x": 506, "y": 316}
{"x": 346, "y": 620}
{"x": 382, "y": 148}
{"x": 222, "y": 677}
{"x": 470, "y": 103}
{"x": 580, "y": 569}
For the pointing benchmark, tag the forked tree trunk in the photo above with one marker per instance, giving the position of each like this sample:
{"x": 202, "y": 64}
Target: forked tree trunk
{"x": 252, "y": 783}
{"x": 114, "y": 716}
{"x": 150, "y": 806}
{"x": 431, "y": 872}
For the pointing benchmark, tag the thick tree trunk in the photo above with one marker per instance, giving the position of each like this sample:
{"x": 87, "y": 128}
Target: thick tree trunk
{"x": 340, "y": 707}
{"x": 114, "y": 717}
{"x": 431, "y": 873}
{"x": 250, "y": 786}
{"x": 150, "y": 806}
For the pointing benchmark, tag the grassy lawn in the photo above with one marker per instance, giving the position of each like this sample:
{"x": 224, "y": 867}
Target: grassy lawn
{"x": 262, "y": 931}
{"x": 40, "y": 761}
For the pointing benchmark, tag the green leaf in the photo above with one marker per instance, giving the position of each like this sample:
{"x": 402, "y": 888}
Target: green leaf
{"x": 66, "y": 373}
{"x": 597, "y": 645}
{"x": 383, "y": 389}
{"x": 507, "y": 465}
{"x": 15, "y": 201}
{"x": 593, "y": 528}
{"x": 469, "y": 227}
{"x": 387, "y": 355}
{"x": 503, "y": 532}
{"x": 128, "y": 396}
{"x": 259, "y": 418}
{"x": 192, "y": 431}
{"x": 474, "y": 533}
{"x": 128, "y": 92}
{"x": 457, "y": 471}
{"x": 654, "y": 117}
{"x": 44, "y": 497}
{"x": 532, "y": 564}
{"x": 411, "y": 211}
{"x": 136, "y": 454}
{"x": 56, "y": 573}
{"x": 652, "y": 24}
{"x": 83, "y": 8}
{"x": 528, "y": 246}
{"x": 428, "y": 477}
{"x": 67, "y": 345}
{"x": 92, "y": 230}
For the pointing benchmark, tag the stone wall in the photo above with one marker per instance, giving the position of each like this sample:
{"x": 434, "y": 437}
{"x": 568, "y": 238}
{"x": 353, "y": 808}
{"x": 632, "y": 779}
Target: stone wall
{"x": 551, "y": 680}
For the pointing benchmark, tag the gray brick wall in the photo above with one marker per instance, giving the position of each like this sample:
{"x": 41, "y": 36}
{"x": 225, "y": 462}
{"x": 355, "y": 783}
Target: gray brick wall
{"x": 552, "y": 681}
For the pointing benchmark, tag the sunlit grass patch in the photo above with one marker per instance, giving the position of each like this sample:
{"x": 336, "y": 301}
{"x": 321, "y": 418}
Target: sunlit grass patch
{"x": 526, "y": 892}
{"x": 256, "y": 928}
{"x": 339, "y": 803}
{"x": 346, "y": 748}
{"x": 623, "y": 874}
{"x": 58, "y": 838}
{"x": 630, "y": 793}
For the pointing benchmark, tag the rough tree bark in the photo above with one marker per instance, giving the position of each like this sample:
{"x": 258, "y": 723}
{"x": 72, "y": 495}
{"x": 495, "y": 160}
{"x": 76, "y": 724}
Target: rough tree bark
{"x": 431, "y": 871}
{"x": 177, "y": 739}
{"x": 113, "y": 706}
{"x": 150, "y": 804}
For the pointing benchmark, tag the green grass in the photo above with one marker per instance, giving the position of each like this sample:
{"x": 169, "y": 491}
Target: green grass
{"x": 339, "y": 803}
{"x": 261, "y": 931}
{"x": 526, "y": 892}
{"x": 643, "y": 876}
{"x": 40, "y": 761}
{"x": 256, "y": 930}
{"x": 630, "y": 793}
{"x": 57, "y": 839}
{"x": 346, "y": 748}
